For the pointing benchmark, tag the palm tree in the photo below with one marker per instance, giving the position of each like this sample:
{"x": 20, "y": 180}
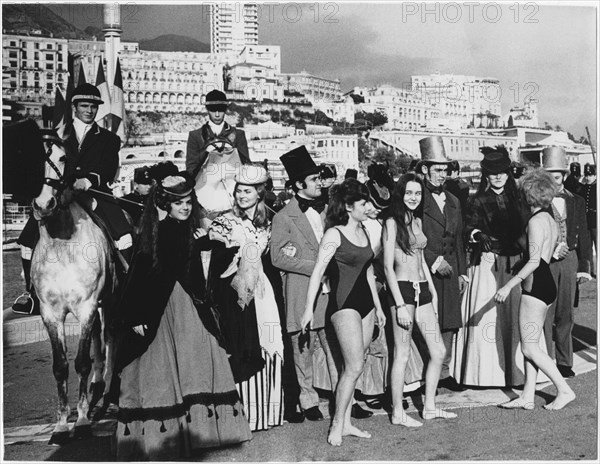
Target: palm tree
{"x": 480, "y": 115}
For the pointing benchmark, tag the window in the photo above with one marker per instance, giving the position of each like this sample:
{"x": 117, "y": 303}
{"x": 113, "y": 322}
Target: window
{"x": 36, "y": 45}
{"x": 49, "y": 87}
{"x": 49, "y": 46}
{"x": 23, "y": 54}
{"x": 13, "y": 43}
{"x": 50, "y": 66}
{"x": 12, "y": 54}
{"x": 49, "y": 56}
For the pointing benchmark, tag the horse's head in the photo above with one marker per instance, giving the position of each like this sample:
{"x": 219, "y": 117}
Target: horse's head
{"x": 46, "y": 203}
{"x": 220, "y": 145}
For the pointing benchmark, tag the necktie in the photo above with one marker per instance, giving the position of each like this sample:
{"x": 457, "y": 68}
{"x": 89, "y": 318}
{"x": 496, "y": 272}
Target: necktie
{"x": 433, "y": 189}
{"x": 304, "y": 204}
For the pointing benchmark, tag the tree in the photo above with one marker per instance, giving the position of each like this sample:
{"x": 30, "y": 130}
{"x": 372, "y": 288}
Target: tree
{"x": 511, "y": 123}
{"x": 365, "y": 150}
{"x": 134, "y": 128}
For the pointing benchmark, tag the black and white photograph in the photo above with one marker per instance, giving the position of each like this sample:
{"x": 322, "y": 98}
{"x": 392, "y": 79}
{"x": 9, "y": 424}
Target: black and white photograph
{"x": 299, "y": 231}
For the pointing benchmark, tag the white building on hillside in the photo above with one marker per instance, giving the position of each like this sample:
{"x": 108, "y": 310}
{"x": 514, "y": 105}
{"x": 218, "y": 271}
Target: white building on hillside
{"x": 233, "y": 26}
{"x": 524, "y": 116}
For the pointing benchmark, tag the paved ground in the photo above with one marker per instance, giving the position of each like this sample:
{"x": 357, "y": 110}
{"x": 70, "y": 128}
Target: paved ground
{"x": 482, "y": 431}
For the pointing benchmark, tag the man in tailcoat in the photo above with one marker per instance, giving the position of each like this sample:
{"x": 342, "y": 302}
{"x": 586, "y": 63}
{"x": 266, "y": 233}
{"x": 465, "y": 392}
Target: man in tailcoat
{"x": 445, "y": 252}
{"x": 92, "y": 162}
{"x": 215, "y": 127}
{"x": 570, "y": 263}
{"x": 296, "y": 232}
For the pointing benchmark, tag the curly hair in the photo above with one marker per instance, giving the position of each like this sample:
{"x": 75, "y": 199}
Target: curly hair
{"x": 398, "y": 210}
{"x": 148, "y": 235}
{"x": 341, "y": 195}
{"x": 538, "y": 188}
{"x": 261, "y": 217}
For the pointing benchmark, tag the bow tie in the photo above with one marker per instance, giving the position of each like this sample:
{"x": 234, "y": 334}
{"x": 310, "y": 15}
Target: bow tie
{"x": 562, "y": 194}
{"x": 433, "y": 189}
{"x": 304, "y": 204}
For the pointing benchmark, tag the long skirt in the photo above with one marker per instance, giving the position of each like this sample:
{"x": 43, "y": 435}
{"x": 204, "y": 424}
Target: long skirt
{"x": 262, "y": 394}
{"x": 488, "y": 349}
{"x": 180, "y": 394}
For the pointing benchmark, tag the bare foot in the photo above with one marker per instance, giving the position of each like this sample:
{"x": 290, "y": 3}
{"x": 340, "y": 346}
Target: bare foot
{"x": 405, "y": 420}
{"x": 354, "y": 432}
{"x": 561, "y": 400}
{"x": 437, "y": 413}
{"x": 335, "y": 435}
{"x": 518, "y": 403}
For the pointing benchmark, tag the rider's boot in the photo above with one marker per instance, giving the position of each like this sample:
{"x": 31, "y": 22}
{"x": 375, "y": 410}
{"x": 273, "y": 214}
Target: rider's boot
{"x": 27, "y": 303}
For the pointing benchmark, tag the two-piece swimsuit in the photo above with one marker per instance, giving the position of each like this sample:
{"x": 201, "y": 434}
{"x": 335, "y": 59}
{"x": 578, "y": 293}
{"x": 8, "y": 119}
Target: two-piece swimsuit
{"x": 415, "y": 292}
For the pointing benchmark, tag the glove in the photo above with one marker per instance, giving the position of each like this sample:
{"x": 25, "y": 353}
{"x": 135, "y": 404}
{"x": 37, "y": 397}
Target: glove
{"x": 484, "y": 240}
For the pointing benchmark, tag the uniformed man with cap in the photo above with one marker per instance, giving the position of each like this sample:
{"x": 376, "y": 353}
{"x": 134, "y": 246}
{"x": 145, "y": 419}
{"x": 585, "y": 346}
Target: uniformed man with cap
{"x": 445, "y": 252}
{"x": 91, "y": 165}
{"x": 588, "y": 192}
{"x": 573, "y": 181}
{"x": 216, "y": 127}
{"x": 570, "y": 263}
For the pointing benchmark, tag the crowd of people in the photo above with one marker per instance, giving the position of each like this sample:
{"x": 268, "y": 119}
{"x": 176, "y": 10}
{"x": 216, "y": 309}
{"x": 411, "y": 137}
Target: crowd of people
{"x": 225, "y": 312}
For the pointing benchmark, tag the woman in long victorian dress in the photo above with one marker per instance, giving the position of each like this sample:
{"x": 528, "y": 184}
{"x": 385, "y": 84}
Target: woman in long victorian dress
{"x": 247, "y": 302}
{"x": 487, "y": 350}
{"x": 177, "y": 391}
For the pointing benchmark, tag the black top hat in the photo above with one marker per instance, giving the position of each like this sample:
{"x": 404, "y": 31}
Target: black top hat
{"x": 216, "y": 100}
{"x": 495, "y": 160}
{"x": 454, "y": 166}
{"x": 298, "y": 164}
{"x": 351, "y": 174}
{"x": 86, "y": 93}
{"x": 589, "y": 169}
{"x": 142, "y": 176}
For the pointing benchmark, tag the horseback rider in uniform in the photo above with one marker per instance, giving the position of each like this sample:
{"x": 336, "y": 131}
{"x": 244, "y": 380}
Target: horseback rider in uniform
{"x": 92, "y": 162}
{"x": 215, "y": 127}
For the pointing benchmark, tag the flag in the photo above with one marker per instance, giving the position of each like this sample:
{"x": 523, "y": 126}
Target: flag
{"x": 117, "y": 105}
{"x": 103, "y": 117}
{"x": 81, "y": 78}
{"x": 60, "y": 107}
{"x": 68, "y": 113}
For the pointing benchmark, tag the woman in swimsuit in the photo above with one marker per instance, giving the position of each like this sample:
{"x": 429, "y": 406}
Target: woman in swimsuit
{"x": 409, "y": 282}
{"x": 345, "y": 252}
{"x": 539, "y": 291}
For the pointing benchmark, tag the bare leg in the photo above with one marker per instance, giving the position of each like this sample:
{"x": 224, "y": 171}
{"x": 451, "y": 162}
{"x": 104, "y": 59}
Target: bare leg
{"x": 402, "y": 339}
{"x": 532, "y": 314}
{"x": 349, "y": 330}
{"x": 430, "y": 329}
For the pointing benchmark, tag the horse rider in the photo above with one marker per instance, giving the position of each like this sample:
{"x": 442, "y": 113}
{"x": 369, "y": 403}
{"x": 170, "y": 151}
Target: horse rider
{"x": 214, "y": 128}
{"x": 92, "y": 162}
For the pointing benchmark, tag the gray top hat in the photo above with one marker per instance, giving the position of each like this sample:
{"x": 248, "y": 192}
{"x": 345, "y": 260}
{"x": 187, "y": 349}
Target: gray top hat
{"x": 432, "y": 150}
{"x": 554, "y": 159}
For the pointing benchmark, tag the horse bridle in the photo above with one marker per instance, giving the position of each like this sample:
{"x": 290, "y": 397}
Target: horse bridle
{"x": 60, "y": 183}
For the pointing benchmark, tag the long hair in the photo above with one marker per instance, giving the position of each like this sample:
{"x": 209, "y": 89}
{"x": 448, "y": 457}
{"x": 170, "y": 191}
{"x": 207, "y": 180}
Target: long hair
{"x": 347, "y": 193}
{"x": 261, "y": 217}
{"x": 148, "y": 236}
{"x": 398, "y": 210}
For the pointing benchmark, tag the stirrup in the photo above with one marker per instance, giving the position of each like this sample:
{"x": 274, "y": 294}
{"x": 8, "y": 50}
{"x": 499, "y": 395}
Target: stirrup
{"x": 24, "y": 304}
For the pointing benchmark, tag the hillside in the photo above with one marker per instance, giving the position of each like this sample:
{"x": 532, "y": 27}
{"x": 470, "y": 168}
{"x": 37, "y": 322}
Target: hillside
{"x": 29, "y": 18}
{"x": 174, "y": 43}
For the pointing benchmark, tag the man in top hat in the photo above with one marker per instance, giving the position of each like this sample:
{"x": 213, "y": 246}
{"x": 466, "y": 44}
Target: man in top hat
{"x": 444, "y": 253}
{"x": 573, "y": 181}
{"x": 570, "y": 263}
{"x": 142, "y": 183}
{"x": 215, "y": 127}
{"x": 588, "y": 192}
{"x": 91, "y": 164}
{"x": 295, "y": 236}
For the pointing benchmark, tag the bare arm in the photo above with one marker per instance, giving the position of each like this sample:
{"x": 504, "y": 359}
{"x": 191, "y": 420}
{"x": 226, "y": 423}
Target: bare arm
{"x": 327, "y": 248}
{"x": 389, "y": 245}
{"x": 373, "y": 286}
{"x": 535, "y": 237}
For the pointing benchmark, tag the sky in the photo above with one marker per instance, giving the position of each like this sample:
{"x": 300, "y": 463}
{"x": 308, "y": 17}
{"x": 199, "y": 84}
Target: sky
{"x": 544, "y": 50}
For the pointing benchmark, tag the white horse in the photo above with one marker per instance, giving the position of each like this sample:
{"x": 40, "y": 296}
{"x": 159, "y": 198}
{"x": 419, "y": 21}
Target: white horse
{"x": 72, "y": 269}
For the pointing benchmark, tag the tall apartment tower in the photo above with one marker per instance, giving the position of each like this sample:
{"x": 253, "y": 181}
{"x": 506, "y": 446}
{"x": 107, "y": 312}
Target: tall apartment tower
{"x": 233, "y": 26}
